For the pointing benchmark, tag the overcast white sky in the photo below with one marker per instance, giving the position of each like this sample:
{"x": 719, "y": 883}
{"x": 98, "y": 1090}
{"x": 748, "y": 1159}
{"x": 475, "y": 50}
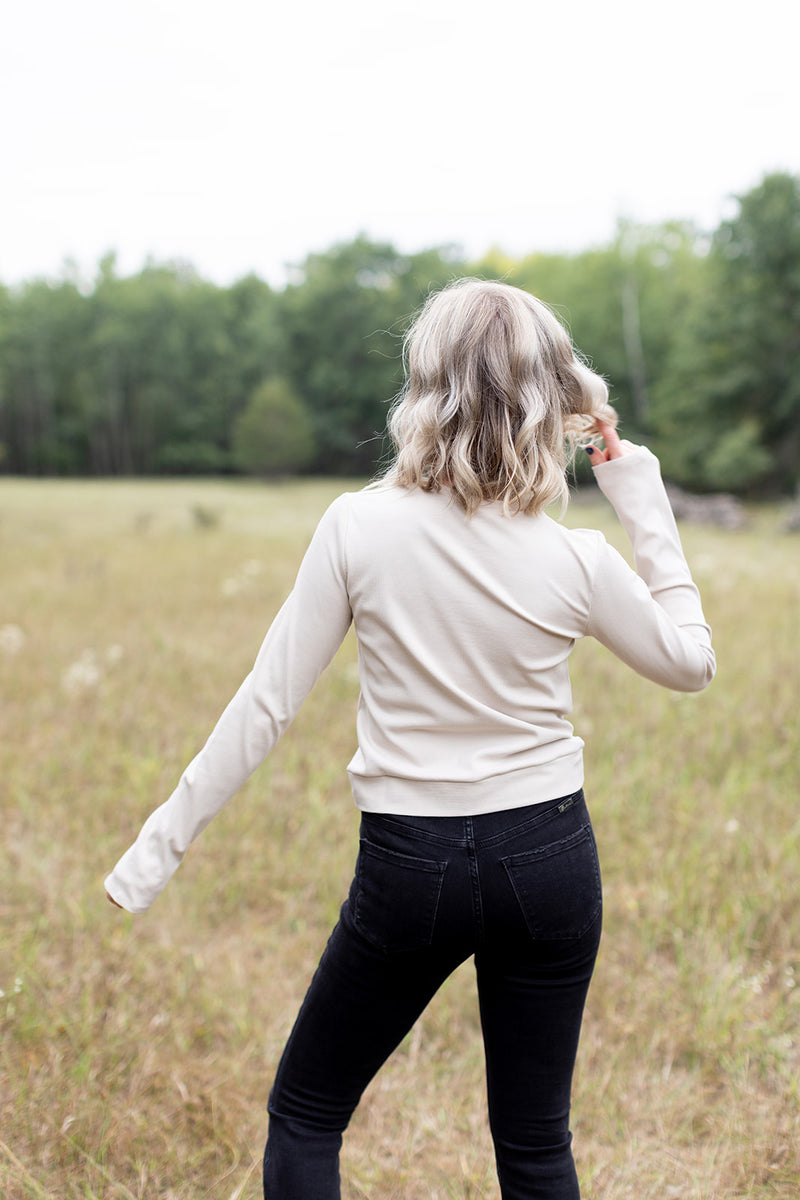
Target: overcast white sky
{"x": 241, "y": 135}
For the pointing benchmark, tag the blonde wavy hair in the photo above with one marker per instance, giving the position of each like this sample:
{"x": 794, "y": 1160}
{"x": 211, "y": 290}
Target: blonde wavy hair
{"x": 495, "y": 397}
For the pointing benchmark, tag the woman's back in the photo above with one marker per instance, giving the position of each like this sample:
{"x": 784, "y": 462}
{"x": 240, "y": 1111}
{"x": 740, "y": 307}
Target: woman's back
{"x": 465, "y": 625}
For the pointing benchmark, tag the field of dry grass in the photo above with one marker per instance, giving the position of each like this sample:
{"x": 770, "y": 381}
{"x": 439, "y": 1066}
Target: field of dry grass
{"x": 137, "y": 1052}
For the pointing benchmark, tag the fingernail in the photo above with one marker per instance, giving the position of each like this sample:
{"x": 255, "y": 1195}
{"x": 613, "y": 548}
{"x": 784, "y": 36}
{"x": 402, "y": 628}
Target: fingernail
{"x": 589, "y": 449}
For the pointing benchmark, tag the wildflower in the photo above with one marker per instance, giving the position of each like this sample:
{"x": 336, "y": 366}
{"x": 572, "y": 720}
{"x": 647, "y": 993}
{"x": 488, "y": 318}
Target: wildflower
{"x": 81, "y": 676}
{"x": 12, "y": 639}
{"x": 240, "y": 582}
{"x": 755, "y": 983}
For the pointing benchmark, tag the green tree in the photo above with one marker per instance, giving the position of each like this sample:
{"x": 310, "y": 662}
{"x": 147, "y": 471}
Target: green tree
{"x": 728, "y": 409}
{"x": 44, "y": 328}
{"x": 343, "y": 319}
{"x": 160, "y": 367}
{"x": 274, "y": 434}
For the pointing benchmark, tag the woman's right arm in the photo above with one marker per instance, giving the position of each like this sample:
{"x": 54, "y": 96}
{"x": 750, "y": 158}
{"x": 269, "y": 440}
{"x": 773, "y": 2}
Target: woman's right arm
{"x": 300, "y": 643}
{"x": 651, "y": 618}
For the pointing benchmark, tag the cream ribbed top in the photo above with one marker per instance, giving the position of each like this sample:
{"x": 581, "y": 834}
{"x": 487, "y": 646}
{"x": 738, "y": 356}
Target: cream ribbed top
{"x": 465, "y": 627}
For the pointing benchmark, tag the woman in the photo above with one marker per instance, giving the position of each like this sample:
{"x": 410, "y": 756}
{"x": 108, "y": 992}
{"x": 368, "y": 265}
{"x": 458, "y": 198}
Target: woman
{"x": 475, "y": 840}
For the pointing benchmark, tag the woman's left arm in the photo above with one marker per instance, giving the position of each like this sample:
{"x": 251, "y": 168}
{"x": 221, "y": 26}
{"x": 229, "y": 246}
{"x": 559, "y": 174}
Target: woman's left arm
{"x": 651, "y": 618}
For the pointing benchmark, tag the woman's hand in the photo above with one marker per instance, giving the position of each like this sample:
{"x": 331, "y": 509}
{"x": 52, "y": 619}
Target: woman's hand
{"x": 615, "y": 447}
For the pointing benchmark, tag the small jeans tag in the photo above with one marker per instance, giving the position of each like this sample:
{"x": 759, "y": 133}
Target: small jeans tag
{"x": 566, "y": 804}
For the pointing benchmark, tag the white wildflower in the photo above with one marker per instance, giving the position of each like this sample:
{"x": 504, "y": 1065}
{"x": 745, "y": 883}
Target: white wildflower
{"x": 782, "y": 1044}
{"x": 755, "y": 983}
{"x": 235, "y": 584}
{"x": 732, "y": 826}
{"x": 12, "y": 639}
{"x": 705, "y": 564}
{"x": 81, "y": 676}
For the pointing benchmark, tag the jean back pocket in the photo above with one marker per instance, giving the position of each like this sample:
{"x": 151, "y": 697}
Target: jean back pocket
{"x": 395, "y": 897}
{"x": 558, "y": 886}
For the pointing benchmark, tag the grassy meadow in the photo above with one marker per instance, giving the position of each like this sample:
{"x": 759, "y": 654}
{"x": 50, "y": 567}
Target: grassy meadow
{"x": 137, "y": 1053}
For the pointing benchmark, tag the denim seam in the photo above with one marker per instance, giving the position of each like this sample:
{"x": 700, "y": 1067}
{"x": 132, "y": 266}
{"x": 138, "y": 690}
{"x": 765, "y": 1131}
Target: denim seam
{"x": 409, "y": 861}
{"x": 474, "y": 877}
{"x": 551, "y": 812}
{"x": 421, "y": 835}
{"x": 535, "y": 822}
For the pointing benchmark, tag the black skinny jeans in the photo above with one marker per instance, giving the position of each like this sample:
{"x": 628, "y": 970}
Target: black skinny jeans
{"x": 518, "y": 889}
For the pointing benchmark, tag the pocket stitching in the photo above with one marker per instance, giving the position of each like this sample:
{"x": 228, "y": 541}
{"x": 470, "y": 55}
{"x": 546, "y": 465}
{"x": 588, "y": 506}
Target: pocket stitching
{"x": 409, "y": 861}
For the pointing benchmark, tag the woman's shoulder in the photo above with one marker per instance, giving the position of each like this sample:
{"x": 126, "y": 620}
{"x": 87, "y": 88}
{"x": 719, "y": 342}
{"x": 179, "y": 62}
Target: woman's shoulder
{"x": 383, "y": 497}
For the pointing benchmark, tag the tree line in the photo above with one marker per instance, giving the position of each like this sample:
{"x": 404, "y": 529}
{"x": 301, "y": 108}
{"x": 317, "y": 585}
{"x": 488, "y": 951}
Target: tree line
{"x": 164, "y": 372}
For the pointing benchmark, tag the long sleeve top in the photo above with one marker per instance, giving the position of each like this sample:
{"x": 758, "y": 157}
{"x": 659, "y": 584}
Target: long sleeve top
{"x": 464, "y": 626}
